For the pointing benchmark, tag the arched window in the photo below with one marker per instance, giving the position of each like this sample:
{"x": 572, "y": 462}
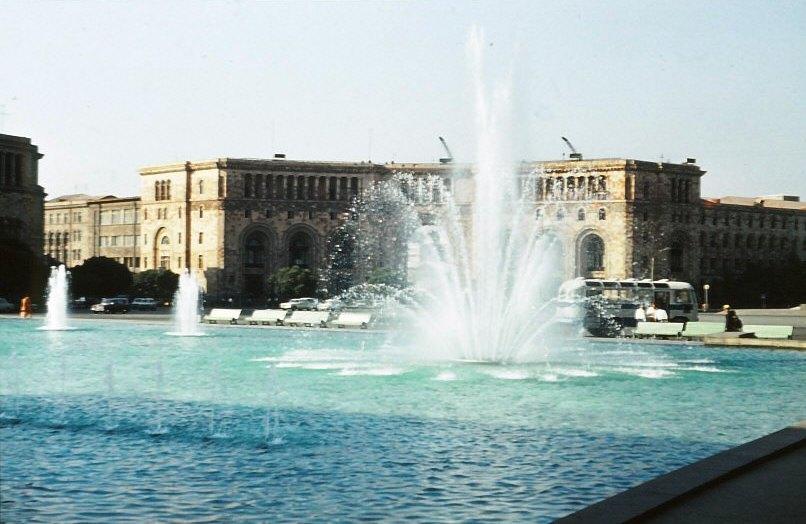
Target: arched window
{"x": 602, "y": 214}
{"x": 255, "y": 249}
{"x": 581, "y": 215}
{"x": 156, "y": 190}
{"x": 560, "y": 214}
{"x": 300, "y": 249}
{"x": 165, "y": 240}
{"x": 258, "y": 185}
{"x": 168, "y": 190}
{"x": 201, "y": 211}
{"x": 593, "y": 253}
{"x": 201, "y": 187}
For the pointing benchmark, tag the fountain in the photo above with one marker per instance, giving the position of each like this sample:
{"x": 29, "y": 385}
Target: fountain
{"x": 480, "y": 283}
{"x": 186, "y": 307}
{"x": 56, "y": 318}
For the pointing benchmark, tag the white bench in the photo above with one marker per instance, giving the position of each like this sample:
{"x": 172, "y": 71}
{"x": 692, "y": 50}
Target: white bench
{"x": 352, "y": 319}
{"x": 765, "y": 331}
{"x": 223, "y": 315}
{"x": 308, "y": 318}
{"x": 268, "y": 316}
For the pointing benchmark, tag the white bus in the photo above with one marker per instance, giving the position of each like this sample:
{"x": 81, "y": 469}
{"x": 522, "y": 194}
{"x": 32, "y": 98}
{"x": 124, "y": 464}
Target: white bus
{"x": 605, "y": 305}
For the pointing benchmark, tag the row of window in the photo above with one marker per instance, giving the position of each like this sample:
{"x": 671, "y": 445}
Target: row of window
{"x": 299, "y": 187}
{"x": 118, "y": 216}
{"x": 59, "y": 237}
{"x": 680, "y": 190}
{"x": 165, "y": 262}
{"x": 749, "y": 241}
{"x": 10, "y": 169}
{"x": 64, "y": 218}
{"x": 117, "y": 241}
{"x": 565, "y": 188}
{"x": 751, "y": 220}
{"x": 581, "y": 214}
{"x": 62, "y": 254}
{"x": 162, "y": 190}
{"x": 268, "y": 213}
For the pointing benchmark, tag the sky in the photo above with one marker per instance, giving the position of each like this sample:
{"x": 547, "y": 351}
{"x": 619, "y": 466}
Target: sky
{"x": 105, "y": 88}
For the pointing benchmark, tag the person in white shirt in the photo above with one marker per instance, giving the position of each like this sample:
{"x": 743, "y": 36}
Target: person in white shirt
{"x": 661, "y": 315}
{"x": 650, "y": 312}
{"x": 640, "y": 314}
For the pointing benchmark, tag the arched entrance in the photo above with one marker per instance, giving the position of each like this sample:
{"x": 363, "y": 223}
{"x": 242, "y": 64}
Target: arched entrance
{"x": 255, "y": 257}
{"x": 590, "y": 260}
{"x": 301, "y": 250}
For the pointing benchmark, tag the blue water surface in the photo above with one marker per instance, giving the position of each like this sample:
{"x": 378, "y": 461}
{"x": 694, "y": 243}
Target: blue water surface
{"x": 118, "y": 422}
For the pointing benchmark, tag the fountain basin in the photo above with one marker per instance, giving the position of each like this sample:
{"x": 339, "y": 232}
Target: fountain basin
{"x": 347, "y": 433}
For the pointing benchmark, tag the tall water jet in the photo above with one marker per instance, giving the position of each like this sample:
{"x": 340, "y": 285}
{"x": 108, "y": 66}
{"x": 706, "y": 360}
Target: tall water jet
{"x": 480, "y": 272}
{"x": 56, "y": 318}
{"x": 186, "y": 307}
{"x": 488, "y": 273}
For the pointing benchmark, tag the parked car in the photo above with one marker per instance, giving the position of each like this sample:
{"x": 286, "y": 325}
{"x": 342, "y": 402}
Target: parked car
{"x": 300, "y": 303}
{"x": 6, "y": 306}
{"x": 80, "y": 303}
{"x": 111, "y": 305}
{"x": 144, "y": 304}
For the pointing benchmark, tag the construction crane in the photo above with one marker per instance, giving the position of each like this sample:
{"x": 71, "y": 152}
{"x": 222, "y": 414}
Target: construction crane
{"x": 448, "y": 159}
{"x": 575, "y": 155}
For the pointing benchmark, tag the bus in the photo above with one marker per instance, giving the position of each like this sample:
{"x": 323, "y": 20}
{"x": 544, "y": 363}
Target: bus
{"x": 606, "y": 306}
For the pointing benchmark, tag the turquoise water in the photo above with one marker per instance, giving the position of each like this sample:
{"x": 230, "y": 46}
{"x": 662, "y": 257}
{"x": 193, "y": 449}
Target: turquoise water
{"x": 326, "y": 425}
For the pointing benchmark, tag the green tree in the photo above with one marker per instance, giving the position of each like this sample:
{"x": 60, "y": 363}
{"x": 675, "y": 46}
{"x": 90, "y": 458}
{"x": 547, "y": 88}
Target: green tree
{"x": 100, "y": 277}
{"x": 292, "y": 282}
{"x": 22, "y": 272}
{"x": 160, "y": 284}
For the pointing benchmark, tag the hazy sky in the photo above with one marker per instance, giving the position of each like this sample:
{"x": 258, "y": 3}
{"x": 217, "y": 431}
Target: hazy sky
{"x": 106, "y": 88}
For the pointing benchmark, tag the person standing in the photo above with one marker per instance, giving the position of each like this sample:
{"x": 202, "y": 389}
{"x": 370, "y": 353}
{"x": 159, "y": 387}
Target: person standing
{"x": 25, "y": 307}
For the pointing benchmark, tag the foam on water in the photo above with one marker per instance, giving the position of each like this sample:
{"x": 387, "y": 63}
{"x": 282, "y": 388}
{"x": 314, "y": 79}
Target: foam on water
{"x": 704, "y": 369}
{"x": 446, "y": 376}
{"x": 646, "y": 372}
{"x": 577, "y": 373}
{"x": 508, "y": 374}
{"x": 374, "y": 372}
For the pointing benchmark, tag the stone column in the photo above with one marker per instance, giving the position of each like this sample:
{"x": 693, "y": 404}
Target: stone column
{"x": 11, "y": 169}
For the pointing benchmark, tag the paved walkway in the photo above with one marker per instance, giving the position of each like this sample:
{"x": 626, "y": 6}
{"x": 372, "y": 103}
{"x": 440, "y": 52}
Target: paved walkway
{"x": 761, "y": 481}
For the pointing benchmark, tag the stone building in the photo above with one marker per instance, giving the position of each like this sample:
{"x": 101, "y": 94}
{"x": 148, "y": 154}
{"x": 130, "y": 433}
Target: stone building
{"x": 623, "y": 218}
{"x": 21, "y": 196}
{"x": 78, "y": 227}
{"x": 234, "y": 221}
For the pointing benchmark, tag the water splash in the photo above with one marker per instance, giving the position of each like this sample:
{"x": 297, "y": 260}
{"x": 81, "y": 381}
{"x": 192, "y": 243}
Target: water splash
{"x": 186, "y": 307}
{"x": 58, "y": 287}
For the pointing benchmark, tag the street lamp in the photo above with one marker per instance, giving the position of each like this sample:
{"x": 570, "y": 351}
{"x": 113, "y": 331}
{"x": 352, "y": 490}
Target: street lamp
{"x": 705, "y": 288}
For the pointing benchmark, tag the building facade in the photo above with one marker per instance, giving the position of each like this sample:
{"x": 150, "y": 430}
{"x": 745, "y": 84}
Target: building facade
{"x": 21, "y": 196}
{"x": 233, "y": 222}
{"x": 623, "y": 218}
{"x": 78, "y": 227}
